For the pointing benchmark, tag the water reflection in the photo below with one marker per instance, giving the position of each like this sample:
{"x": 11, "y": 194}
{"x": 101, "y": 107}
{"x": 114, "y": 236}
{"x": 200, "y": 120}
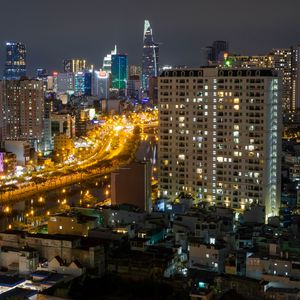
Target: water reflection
{"x": 35, "y": 210}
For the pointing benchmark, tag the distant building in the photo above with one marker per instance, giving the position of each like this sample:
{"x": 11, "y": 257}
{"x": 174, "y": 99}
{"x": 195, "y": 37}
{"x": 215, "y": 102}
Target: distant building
{"x": 74, "y": 65}
{"x": 153, "y": 90}
{"x": 107, "y": 60}
{"x": 52, "y": 82}
{"x": 219, "y": 48}
{"x": 253, "y": 61}
{"x": 41, "y": 73}
{"x": 83, "y": 84}
{"x": 101, "y": 84}
{"x": 111, "y": 106}
{"x": 81, "y": 122}
{"x": 22, "y": 113}
{"x": 134, "y": 87}
{"x": 286, "y": 62}
{"x": 63, "y": 147}
{"x": 62, "y": 123}
{"x": 65, "y": 83}
{"x": 131, "y": 185}
{"x": 150, "y": 57}
{"x": 15, "y": 65}
{"x": 135, "y": 70}
{"x": 119, "y": 71}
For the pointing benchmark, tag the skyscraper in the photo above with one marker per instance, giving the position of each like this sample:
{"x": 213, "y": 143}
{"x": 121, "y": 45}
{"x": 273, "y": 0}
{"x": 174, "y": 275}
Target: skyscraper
{"x": 150, "y": 57}
{"x": 65, "y": 83}
{"x": 107, "y": 60}
{"x": 119, "y": 71}
{"x": 15, "y": 65}
{"x": 218, "y": 50}
{"x": 283, "y": 60}
{"x": 83, "y": 83}
{"x": 100, "y": 84}
{"x": 220, "y": 136}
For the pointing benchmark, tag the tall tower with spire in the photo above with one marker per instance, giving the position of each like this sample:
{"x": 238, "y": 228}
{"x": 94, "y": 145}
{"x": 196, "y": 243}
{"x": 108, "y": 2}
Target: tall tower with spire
{"x": 150, "y": 57}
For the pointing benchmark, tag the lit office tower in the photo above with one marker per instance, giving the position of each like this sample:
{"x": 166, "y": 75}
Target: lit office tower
{"x": 15, "y": 65}
{"x": 150, "y": 57}
{"x": 107, "y": 60}
{"x": 22, "y": 113}
{"x": 83, "y": 83}
{"x": 74, "y": 65}
{"x": 100, "y": 86}
{"x": 119, "y": 71}
{"x": 220, "y": 136}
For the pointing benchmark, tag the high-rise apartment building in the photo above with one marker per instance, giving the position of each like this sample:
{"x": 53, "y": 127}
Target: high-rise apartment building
{"x": 22, "y": 110}
{"x": 15, "y": 65}
{"x": 283, "y": 61}
{"x": 150, "y": 57}
{"x": 220, "y": 136}
{"x": 119, "y": 71}
{"x": 296, "y": 78}
{"x": 74, "y": 65}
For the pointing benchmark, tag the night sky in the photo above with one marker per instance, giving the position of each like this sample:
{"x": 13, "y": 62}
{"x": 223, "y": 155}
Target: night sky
{"x": 58, "y": 29}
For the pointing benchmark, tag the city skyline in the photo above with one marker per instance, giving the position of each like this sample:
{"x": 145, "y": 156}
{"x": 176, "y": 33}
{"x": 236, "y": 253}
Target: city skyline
{"x": 52, "y": 35}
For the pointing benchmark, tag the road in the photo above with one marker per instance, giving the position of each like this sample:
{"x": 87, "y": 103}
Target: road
{"x": 110, "y": 146}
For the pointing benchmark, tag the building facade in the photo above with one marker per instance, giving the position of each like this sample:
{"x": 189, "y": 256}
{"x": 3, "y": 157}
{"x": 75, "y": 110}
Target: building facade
{"x": 134, "y": 177}
{"x": 119, "y": 71}
{"x": 83, "y": 83}
{"x": 283, "y": 61}
{"x": 220, "y": 136}
{"x": 15, "y": 65}
{"x": 107, "y": 60}
{"x": 219, "y": 48}
{"x": 22, "y": 110}
{"x": 74, "y": 65}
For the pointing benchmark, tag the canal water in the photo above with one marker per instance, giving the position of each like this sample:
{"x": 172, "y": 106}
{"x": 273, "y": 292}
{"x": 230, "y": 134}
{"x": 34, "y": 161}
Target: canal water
{"x": 35, "y": 210}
